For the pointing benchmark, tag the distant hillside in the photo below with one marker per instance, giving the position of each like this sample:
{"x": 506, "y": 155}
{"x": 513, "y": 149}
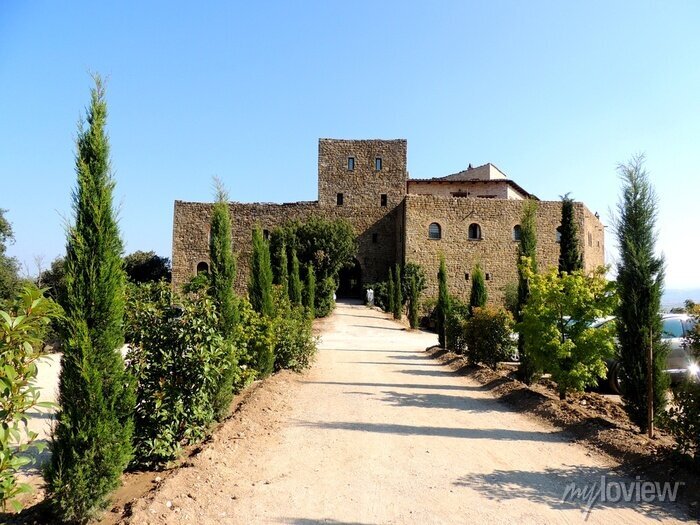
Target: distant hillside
{"x": 674, "y": 298}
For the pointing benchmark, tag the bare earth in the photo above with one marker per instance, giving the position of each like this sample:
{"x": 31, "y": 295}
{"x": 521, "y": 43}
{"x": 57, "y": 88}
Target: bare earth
{"x": 376, "y": 432}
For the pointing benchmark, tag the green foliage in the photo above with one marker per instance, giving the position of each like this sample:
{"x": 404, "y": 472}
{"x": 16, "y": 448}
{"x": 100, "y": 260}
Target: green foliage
{"x": 143, "y": 267}
{"x": 527, "y": 248}
{"x": 411, "y": 270}
{"x": 9, "y": 267}
{"x": 443, "y": 304}
{"x": 198, "y": 284}
{"x": 640, "y": 276}
{"x": 456, "y": 326}
{"x": 91, "y": 445}
{"x": 390, "y": 292}
{"x": 178, "y": 358}
{"x": 310, "y": 291}
{"x": 325, "y": 290}
{"x": 295, "y": 288}
{"x": 487, "y": 335}
{"x": 280, "y": 266}
{"x": 381, "y": 294}
{"x": 510, "y": 299}
{"x": 570, "y": 256}
{"x": 295, "y": 344}
{"x": 479, "y": 295}
{"x": 22, "y": 327}
{"x": 413, "y": 300}
{"x": 54, "y": 280}
{"x": 260, "y": 284}
{"x": 255, "y": 339}
{"x": 557, "y": 327}
{"x": 398, "y": 296}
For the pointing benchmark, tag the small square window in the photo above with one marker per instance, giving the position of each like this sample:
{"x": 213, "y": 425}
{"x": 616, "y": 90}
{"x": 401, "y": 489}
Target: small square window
{"x": 466, "y": 276}
{"x": 339, "y": 199}
{"x": 375, "y": 238}
{"x": 488, "y": 276}
{"x": 383, "y": 199}
{"x": 351, "y": 163}
{"x": 378, "y": 164}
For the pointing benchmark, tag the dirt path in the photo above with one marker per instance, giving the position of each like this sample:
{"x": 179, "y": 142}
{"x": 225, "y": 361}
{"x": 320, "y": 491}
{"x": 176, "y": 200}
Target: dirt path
{"x": 377, "y": 432}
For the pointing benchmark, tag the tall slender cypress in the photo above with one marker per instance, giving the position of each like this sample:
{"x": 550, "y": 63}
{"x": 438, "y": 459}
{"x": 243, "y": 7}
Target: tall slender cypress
{"x": 222, "y": 274}
{"x": 640, "y": 277}
{"x": 478, "y": 295}
{"x": 391, "y": 294}
{"x": 260, "y": 284}
{"x": 414, "y": 294}
{"x": 398, "y": 296}
{"x": 309, "y": 296}
{"x": 91, "y": 443}
{"x": 282, "y": 277}
{"x": 295, "y": 280}
{"x": 444, "y": 303}
{"x": 570, "y": 257}
{"x": 527, "y": 248}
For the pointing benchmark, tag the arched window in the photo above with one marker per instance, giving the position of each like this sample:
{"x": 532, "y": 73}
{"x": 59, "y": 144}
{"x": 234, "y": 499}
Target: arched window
{"x": 434, "y": 231}
{"x": 202, "y": 267}
{"x": 474, "y": 231}
{"x": 517, "y": 232}
{"x": 558, "y": 233}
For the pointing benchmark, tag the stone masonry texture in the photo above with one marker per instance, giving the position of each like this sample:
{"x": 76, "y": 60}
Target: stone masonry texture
{"x": 393, "y": 228}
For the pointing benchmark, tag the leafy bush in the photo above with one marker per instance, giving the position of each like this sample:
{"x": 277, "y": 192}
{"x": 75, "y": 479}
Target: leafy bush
{"x": 295, "y": 344}
{"x": 255, "y": 340}
{"x": 144, "y": 267}
{"x": 325, "y": 290}
{"x": 177, "y": 357}
{"x": 381, "y": 294}
{"x": 411, "y": 270}
{"x": 557, "y": 321}
{"x": 22, "y": 328}
{"x": 413, "y": 302}
{"x": 487, "y": 335}
{"x": 456, "y": 325}
{"x": 443, "y": 304}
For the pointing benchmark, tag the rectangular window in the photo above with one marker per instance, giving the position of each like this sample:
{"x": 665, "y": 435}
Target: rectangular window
{"x": 378, "y": 164}
{"x": 383, "y": 199}
{"x": 339, "y": 199}
{"x": 375, "y": 238}
{"x": 351, "y": 163}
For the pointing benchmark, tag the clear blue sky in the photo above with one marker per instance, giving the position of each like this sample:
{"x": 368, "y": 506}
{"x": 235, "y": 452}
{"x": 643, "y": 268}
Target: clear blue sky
{"x": 556, "y": 94}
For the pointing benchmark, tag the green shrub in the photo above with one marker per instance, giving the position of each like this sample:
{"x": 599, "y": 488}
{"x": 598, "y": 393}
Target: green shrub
{"x": 295, "y": 344}
{"x": 487, "y": 335}
{"x": 397, "y": 309}
{"x": 413, "y": 301}
{"x": 295, "y": 287}
{"x": 455, "y": 326}
{"x": 325, "y": 290}
{"x": 255, "y": 340}
{"x": 177, "y": 356}
{"x": 443, "y": 304}
{"x": 381, "y": 294}
{"x": 478, "y": 295}
{"x": 309, "y": 292}
{"x": 22, "y": 328}
{"x": 411, "y": 270}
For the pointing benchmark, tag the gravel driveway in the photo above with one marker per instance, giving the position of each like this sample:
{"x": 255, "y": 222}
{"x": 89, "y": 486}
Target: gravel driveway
{"x": 377, "y": 432}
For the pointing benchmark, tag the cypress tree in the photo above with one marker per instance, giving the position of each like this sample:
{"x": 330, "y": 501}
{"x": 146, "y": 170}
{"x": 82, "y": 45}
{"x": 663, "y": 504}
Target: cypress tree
{"x": 260, "y": 284}
{"x": 413, "y": 301}
{"x": 295, "y": 281}
{"x": 282, "y": 277}
{"x": 443, "y": 305}
{"x": 570, "y": 257}
{"x": 527, "y": 248}
{"x": 91, "y": 444}
{"x": 398, "y": 298}
{"x": 479, "y": 295}
{"x": 222, "y": 273}
{"x": 391, "y": 294}
{"x": 310, "y": 291}
{"x": 222, "y": 268}
{"x": 640, "y": 276}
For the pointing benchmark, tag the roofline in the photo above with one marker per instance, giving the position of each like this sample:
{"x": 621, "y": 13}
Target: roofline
{"x": 509, "y": 182}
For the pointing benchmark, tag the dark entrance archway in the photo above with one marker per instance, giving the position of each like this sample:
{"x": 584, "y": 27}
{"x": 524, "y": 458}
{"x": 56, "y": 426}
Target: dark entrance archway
{"x": 350, "y": 281}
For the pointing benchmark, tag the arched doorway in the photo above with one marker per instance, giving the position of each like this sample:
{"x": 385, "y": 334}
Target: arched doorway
{"x": 350, "y": 281}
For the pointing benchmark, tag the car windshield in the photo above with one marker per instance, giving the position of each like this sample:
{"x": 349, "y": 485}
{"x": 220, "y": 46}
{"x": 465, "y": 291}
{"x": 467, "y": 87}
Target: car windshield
{"x": 672, "y": 328}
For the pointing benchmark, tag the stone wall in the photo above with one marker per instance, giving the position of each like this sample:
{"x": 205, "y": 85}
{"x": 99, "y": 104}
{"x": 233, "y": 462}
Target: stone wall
{"x": 497, "y": 250}
{"x": 491, "y": 189}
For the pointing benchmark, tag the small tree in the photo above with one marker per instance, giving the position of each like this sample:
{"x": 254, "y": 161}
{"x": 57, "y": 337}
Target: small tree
{"x": 570, "y": 257}
{"x": 391, "y": 293}
{"x": 640, "y": 275}
{"x": 309, "y": 296}
{"x": 413, "y": 301}
{"x": 281, "y": 276}
{"x": 557, "y": 324}
{"x": 260, "y": 285}
{"x": 486, "y": 335}
{"x": 22, "y": 327}
{"x": 8, "y": 265}
{"x": 443, "y": 305}
{"x": 528, "y": 249}
{"x": 222, "y": 274}
{"x": 91, "y": 444}
{"x": 144, "y": 267}
{"x": 398, "y": 299}
{"x": 295, "y": 281}
{"x": 479, "y": 295}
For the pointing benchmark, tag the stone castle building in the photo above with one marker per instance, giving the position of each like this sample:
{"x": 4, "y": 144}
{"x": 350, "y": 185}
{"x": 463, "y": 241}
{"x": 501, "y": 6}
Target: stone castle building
{"x": 471, "y": 217}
